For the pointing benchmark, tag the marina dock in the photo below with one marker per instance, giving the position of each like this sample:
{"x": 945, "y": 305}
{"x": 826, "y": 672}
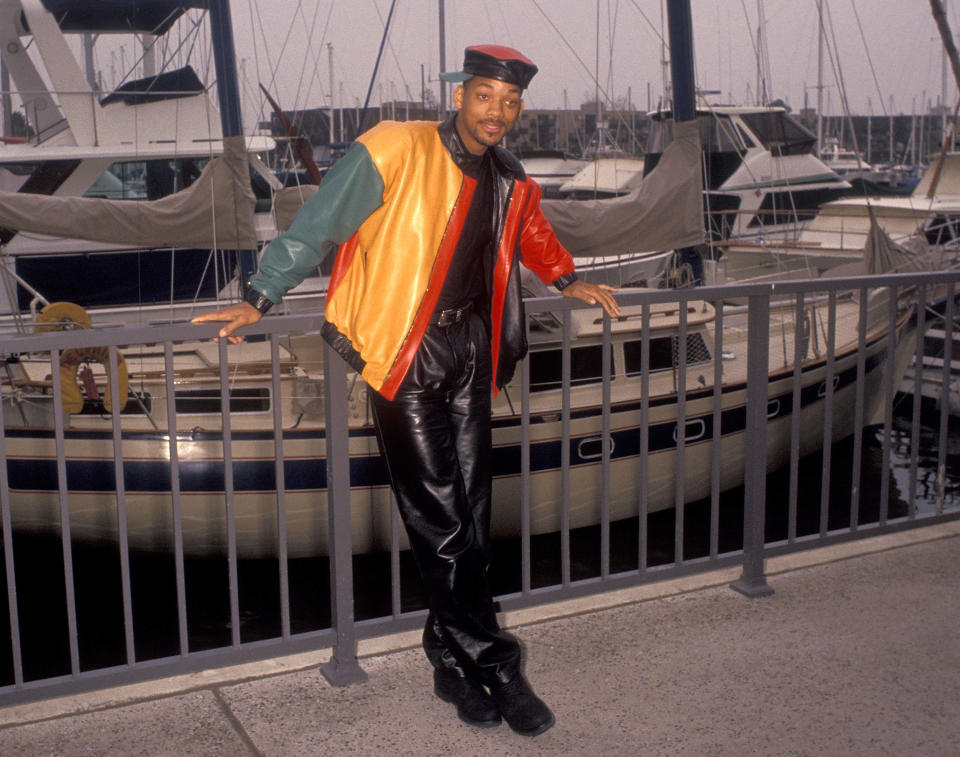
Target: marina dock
{"x": 855, "y": 653}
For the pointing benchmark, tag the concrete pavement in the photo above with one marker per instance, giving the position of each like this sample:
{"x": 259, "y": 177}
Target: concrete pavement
{"x": 856, "y": 653}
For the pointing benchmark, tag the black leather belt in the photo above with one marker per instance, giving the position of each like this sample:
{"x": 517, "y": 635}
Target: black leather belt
{"x": 450, "y": 316}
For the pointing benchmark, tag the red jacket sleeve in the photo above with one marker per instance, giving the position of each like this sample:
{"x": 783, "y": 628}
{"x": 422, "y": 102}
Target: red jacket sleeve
{"x": 541, "y": 250}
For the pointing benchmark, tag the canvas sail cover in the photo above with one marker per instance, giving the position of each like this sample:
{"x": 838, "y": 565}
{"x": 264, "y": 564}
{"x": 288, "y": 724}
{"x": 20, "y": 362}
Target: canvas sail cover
{"x": 216, "y": 211}
{"x": 665, "y": 212}
{"x": 883, "y": 255}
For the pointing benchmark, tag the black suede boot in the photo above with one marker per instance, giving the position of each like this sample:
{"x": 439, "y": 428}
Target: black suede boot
{"x": 474, "y": 705}
{"x": 523, "y": 710}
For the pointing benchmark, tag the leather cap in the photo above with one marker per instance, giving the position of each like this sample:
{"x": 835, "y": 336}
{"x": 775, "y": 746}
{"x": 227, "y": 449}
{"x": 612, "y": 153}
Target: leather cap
{"x": 494, "y": 62}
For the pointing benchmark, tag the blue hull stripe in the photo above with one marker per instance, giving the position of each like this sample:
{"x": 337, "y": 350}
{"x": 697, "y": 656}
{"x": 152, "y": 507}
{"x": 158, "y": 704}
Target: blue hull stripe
{"x": 153, "y": 476}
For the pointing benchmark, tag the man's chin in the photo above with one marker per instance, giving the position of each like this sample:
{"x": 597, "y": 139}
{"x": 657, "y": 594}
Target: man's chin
{"x": 490, "y": 141}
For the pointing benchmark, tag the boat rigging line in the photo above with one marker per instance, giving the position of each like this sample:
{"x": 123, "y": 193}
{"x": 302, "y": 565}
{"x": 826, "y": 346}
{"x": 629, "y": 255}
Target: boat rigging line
{"x": 376, "y": 66}
{"x": 592, "y": 76}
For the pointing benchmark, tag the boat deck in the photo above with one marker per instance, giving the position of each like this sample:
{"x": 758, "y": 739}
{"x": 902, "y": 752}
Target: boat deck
{"x": 856, "y": 652}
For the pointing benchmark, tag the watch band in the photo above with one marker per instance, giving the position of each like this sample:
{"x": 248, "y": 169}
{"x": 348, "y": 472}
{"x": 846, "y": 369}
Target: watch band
{"x": 260, "y": 301}
{"x": 562, "y": 282}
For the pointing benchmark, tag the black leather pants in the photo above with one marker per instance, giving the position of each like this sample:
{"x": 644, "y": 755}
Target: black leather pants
{"x": 435, "y": 437}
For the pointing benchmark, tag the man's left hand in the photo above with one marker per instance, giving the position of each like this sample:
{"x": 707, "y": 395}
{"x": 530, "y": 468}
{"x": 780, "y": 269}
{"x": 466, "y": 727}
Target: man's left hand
{"x": 594, "y": 294}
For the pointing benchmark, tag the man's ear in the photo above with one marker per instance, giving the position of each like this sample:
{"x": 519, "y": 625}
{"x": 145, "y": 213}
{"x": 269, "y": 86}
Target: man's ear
{"x": 458, "y": 96}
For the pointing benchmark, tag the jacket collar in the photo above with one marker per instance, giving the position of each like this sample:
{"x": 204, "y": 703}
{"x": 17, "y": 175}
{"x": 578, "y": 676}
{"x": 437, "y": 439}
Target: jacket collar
{"x": 503, "y": 161}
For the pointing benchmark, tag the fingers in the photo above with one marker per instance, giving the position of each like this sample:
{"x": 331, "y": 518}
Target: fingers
{"x": 236, "y": 317}
{"x": 594, "y": 294}
{"x": 607, "y": 301}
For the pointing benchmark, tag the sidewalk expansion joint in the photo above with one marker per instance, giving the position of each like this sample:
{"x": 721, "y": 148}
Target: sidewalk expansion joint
{"x": 235, "y": 723}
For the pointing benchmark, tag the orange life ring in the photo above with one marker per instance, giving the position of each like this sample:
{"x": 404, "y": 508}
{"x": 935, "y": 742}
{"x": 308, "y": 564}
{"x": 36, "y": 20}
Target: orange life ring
{"x": 70, "y": 362}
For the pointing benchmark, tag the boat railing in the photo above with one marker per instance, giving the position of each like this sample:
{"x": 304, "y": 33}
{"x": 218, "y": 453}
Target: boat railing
{"x": 735, "y": 416}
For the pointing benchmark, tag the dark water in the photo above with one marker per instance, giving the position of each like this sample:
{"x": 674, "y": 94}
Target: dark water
{"x": 41, "y": 592}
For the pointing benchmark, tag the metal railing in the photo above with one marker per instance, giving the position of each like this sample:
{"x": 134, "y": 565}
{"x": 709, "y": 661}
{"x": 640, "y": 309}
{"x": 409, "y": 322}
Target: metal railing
{"x": 625, "y": 436}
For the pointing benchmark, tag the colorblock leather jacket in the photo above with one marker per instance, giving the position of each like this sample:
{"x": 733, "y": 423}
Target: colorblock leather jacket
{"x": 396, "y": 204}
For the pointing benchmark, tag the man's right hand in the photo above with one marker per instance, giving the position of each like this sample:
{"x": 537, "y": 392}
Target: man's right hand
{"x": 241, "y": 314}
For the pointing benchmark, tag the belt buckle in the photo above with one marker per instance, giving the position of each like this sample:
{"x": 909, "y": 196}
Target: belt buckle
{"x": 451, "y": 316}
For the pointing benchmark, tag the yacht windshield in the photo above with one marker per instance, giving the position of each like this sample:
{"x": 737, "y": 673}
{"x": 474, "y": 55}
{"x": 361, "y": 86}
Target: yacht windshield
{"x": 780, "y": 133}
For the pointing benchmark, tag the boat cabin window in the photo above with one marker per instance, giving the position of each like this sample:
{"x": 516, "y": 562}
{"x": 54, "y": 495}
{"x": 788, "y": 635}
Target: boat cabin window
{"x": 663, "y": 353}
{"x": 134, "y": 277}
{"x": 207, "y": 401}
{"x": 142, "y": 403}
{"x": 747, "y": 139}
{"x": 943, "y": 230}
{"x": 586, "y": 367}
{"x": 791, "y": 206}
{"x": 146, "y": 179}
{"x": 716, "y": 133}
{"x": 780, "y": 133}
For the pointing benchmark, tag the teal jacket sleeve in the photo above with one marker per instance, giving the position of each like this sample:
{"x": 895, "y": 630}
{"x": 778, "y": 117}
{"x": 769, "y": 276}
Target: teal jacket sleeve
{"x": 351, "y": 190}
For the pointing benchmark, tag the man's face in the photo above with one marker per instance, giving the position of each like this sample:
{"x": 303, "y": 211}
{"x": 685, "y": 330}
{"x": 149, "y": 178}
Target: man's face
{"x": 488, "y": 109}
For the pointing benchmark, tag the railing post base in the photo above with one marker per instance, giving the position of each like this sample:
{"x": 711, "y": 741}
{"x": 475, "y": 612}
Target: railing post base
{"x": 343, "y": 673}
{"x": 752, "y": 587}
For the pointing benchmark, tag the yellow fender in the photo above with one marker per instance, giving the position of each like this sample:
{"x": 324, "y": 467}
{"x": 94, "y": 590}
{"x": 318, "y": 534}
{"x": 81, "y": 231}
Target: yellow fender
{"x": 70, "y": 362}
{"x": 60, "y": 316}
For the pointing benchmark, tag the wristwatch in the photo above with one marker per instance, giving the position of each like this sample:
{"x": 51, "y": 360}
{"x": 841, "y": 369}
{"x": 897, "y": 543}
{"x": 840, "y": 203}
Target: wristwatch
{"x": 562, "y": 282}
{"x": 260, "y": 301}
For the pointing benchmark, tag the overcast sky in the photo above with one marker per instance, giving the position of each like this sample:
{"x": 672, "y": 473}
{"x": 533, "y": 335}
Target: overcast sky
{"x": 886, "y": 49}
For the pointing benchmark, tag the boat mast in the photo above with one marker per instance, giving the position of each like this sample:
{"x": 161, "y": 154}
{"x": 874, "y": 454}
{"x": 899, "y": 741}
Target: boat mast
{"x": 946, "y": 36}
{"x": 443, "y": 60}
{"x": 225, "y": 63}
{"x": 228, "y": 95}
{"x": 819, "y": 78}
{"x": 680, "y": 27}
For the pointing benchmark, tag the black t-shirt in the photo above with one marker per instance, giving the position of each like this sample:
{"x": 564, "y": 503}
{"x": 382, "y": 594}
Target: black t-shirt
{"x": 466, "y": 280}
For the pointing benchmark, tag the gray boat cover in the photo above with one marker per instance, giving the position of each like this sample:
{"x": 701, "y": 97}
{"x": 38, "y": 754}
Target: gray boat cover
{"x": 881, "y": 254}
{"x": 665, "y": 212}
{"x": 216, "y": 211}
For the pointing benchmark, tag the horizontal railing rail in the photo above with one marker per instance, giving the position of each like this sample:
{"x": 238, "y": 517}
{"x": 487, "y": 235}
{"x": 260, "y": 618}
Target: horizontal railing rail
{"x": 632, "y": 470}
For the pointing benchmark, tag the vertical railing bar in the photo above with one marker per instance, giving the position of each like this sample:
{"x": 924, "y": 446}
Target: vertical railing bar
{"x": 396, "y": 598}
{"x": 343, "y": 668}
{"x": 917, "y": 400}
{"x": 117, "y": 402}
{"x": 525, "y": 482}
{"x": 888, "y": 388}
{"x": 828, "y": 411}
{"x": 643, "y": 504}
{"x": 228, "y": 491}
{"x": 64, "y": 497}
{"x": 169, "y": 376}
{"x": 565, "y": 453}
{"x": 858, "y": 411}
{"x": 13, "y": 608}
{"x": 715, "y": 449}
{"x": 680, "y": 467}
{"x": 281, "y": 483}
{"x": 607, "y": 352}
{"x": 800, "y": 350}
{"x": 753, "y": 581}
{"x": 945, "y": 395}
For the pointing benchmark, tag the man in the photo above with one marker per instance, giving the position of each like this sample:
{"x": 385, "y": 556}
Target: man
{"x": 424, "y": 301}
